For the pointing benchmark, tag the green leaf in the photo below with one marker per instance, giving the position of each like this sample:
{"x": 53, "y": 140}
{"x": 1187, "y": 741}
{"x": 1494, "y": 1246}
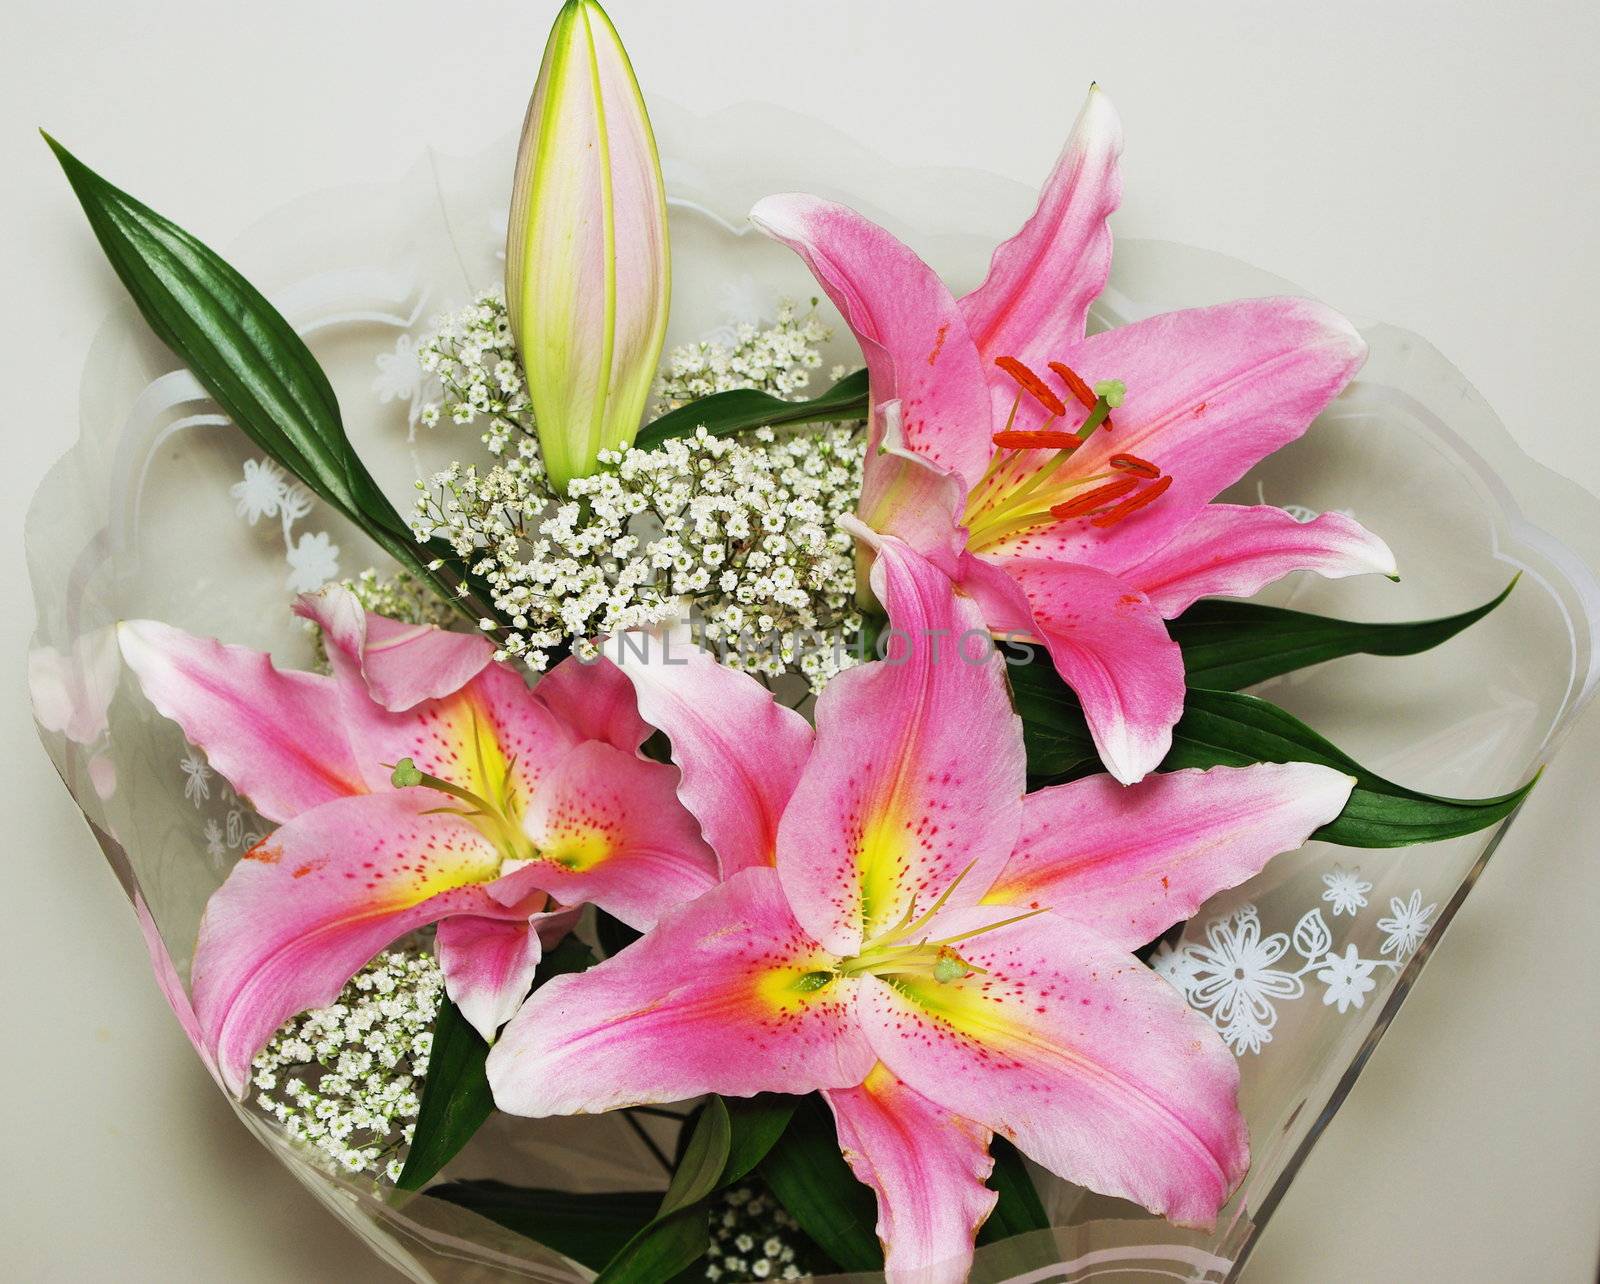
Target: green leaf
{"x": 455, "y": 1097}
{"x": 726, "y": 414}
{"x": 1224, "y": 728}
{"x": 1054, "y": 733}
{"x": 245, "y": 354}
{"x": 758, "y": 1122}
{"x": 662, "y": 1249}
{"x": 588, "y": 1227}
{"x": 700, "y": 1170}
{"x": 729, "y": 1139}
{"x": 455, "y": 1094}
{"x": 810, "y": 1178}
{"x": 1229, "y": 645}
{"x": 1018, "y": 1209}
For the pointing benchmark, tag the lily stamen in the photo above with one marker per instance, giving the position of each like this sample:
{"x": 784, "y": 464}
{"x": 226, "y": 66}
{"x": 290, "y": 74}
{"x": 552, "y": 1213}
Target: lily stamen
{"x": 1015, "y": 495}
{"x": 1033, "y": 385}
{"x": 885, "y": 956}
{"x": 1075, "y": 382}
{"x": 1133, "y": 464}
{"x": 1094, "y": 499}
{"x": 1134, "y": 503}
{"x": 906, "y": 927}
{"x": 492, "y": 820}
{"x": 1037, "y": 439}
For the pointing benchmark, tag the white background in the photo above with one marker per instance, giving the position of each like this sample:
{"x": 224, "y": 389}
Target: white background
{"x": 1431, "y": 164}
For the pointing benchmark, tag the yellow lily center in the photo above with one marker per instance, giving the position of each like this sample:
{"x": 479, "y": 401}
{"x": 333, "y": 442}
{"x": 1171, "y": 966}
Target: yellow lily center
{"x": 905, "y": 950}
{"x": 497, "y": 817}
{"x": 1028, "y": 482}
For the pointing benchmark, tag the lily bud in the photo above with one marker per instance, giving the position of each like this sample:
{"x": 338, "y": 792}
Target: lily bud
{"x": 587, "y": 264}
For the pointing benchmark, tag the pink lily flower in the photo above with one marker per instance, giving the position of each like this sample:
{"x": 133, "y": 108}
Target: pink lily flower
{"x": 942, "y": 956}
{"x": 995, "y": 452}
{"x": 420, "y": 783}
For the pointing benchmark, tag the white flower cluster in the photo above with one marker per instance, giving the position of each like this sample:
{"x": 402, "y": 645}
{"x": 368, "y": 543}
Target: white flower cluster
{"x": 777, "y": 359}
{"x": 472, "y": 361}
{"x": 742, "y": 532}
{"x": 753, "y": 1238}
{"x": 746, "y": 531}
{"x": 346, "y": 1080}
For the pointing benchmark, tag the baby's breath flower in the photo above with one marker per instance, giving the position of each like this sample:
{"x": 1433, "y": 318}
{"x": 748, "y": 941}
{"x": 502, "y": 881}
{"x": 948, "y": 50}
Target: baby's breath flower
{"x": 778, "y": 359}
{"x": 471, "y": 358}
{"x": 754, "y": 1238}
{"x": 743, "y": 531}
{"x": 345, "y": 1080}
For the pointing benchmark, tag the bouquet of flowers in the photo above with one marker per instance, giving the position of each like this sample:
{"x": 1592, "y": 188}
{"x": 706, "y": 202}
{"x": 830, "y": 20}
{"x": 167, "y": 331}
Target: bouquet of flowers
{"x": 829, "y": 798}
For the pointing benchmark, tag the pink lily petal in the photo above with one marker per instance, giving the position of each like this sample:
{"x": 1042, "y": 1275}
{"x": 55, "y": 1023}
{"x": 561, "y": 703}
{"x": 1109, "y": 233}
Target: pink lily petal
{"x": 1210, "y": 392}
{"x": 1106, "y": 641}
{"x": 608, "y": 828}
{"x": 1036, "y": 298}
{"x": 276, "y": 736}
{"x": 1130, "y": 861}
{"x": 72, "y": 692}
{"x": 401, "y": 664}
{"x": 739, "y": 750}
{"x": 491, "y": 736}
{"x": 1234, "y": 551}
{"x": 927, "y": 1167}
{"x": 171, "y": 984}
{"x": 1091, "y": 1063}
{"x": 715, "y": 999}
{"x": 916, "y": 344}
{"x": 489, "y": 963}
{"x": 909, "y": 496}
{"x": 918, "y": 772}
{"x": 309, "y": 905}
{"x": 488, "y": 967}
{"x": 595, "y": 701}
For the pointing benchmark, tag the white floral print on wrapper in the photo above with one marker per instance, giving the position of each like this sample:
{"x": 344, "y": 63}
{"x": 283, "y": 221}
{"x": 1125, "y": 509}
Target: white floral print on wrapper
{"x": 1235, "y": 982}
{"x": 1239, "y": 975}
{"x": 266, "y": 491}
{"x": 313, "y": 561}
{"x": 1347, "y": 890}
{"x": 261, "y": 492}
{"x": 196, "y": 776}
{"x": 1348, "y": 977}
{"x": 1407, "y": 925}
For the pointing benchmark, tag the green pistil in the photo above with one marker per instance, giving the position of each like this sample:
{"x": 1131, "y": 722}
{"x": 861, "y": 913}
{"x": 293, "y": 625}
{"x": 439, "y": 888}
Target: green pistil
{"x": 1111, "y": 391}
{"x": 1097, "y": 416}
{"x": 1028, "y": 505}
{"x": 891, "y": 955}
{"x": 492, "y": 821}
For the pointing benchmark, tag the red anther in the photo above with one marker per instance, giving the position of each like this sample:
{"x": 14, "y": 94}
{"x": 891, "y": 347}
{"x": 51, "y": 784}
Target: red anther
{"x": 1133, "y": 464}
{"x": 1134, "y": 503}
{"x": 1036, "y": 439}
{"x": 1036, "y": 387}
{"x": 1091, "y": 500}
{"x": 1080, "y": 388}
